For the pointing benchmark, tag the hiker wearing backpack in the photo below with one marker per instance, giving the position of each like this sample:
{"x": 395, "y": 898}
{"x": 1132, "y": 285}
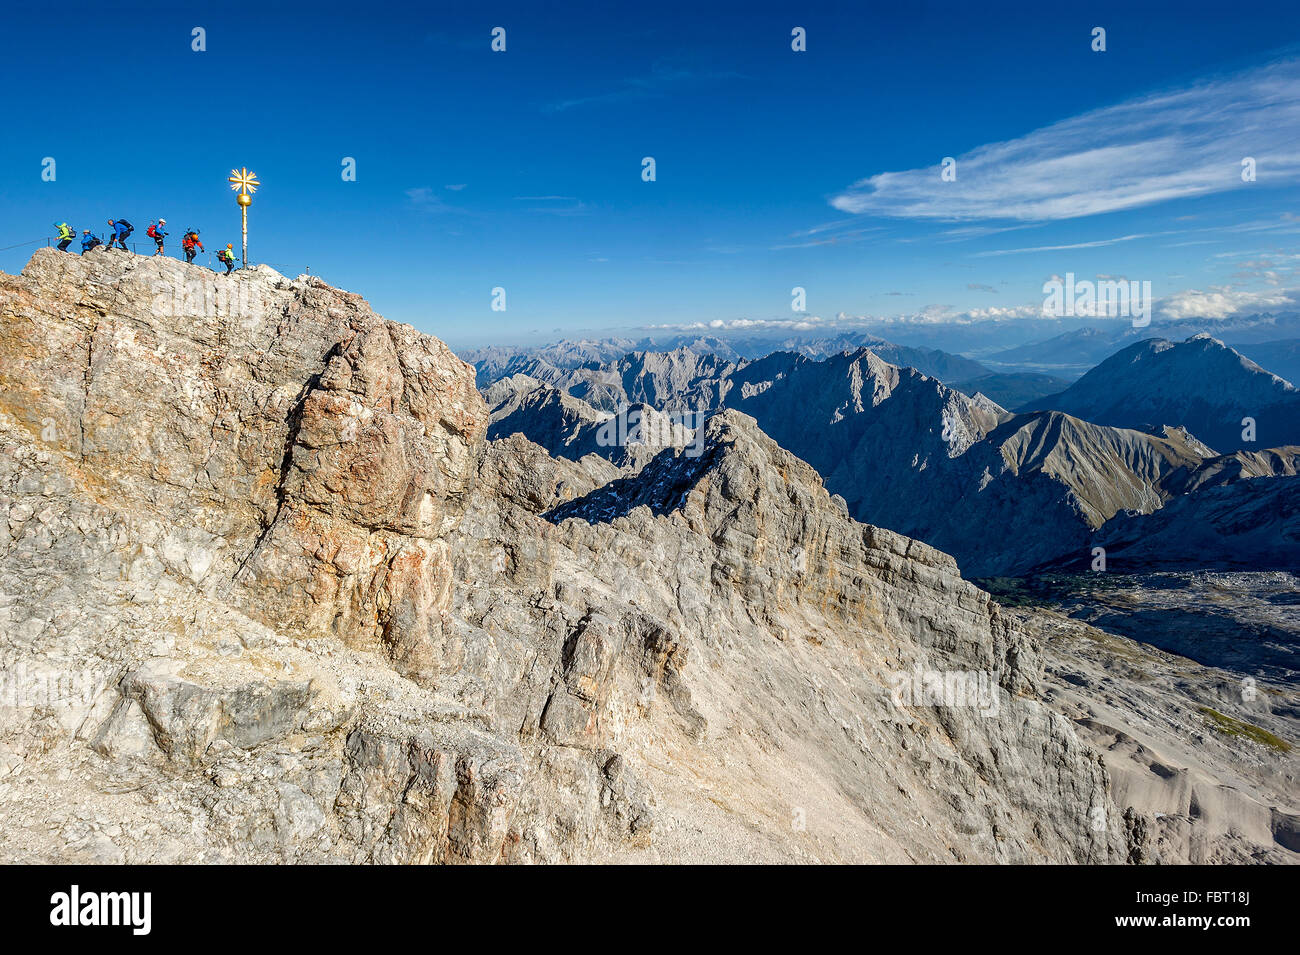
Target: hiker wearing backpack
{"x": 121, "y": 229}
{"x": 157, "y": 233}
{"x": 227, "y": 257}
{"x": 191, "y": 245}
{"x": 89, "y": 241}
{"x": 66, "y": 235}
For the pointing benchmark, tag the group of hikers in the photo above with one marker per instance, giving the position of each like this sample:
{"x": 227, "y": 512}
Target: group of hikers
{"x": 119, "y": 229}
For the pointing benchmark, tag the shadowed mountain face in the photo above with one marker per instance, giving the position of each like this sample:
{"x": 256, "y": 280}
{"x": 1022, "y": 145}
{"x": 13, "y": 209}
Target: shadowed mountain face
{"x": 1238, "y": 466}
{"x": 1012, "y": 389}
{"x": 1199, "y": 384}
{"x": 1246, "y": 525}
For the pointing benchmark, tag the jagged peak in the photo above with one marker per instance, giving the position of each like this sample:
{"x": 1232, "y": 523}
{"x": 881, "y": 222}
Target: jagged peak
{"x": 664, "y": 483}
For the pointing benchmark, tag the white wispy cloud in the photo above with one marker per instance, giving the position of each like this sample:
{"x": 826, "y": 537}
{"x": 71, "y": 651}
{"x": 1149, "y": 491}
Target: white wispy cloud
{"x": 838, "y": 237}
{"x": 427, "y": 200}
{"x": 1168, "y": 145}
{"x": 1095, "y": 244}
{"x": 556, "y": 205}
{"x": 927, "y": 315}
{"x": 1225, "y": 302}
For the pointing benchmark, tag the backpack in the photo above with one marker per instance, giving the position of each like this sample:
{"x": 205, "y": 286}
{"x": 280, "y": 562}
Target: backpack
{"x": 152, "y": 231}
{"x": 129, "y": 228}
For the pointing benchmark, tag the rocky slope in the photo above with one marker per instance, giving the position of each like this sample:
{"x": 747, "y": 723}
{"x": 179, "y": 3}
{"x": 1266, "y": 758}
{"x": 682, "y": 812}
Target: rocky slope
{"x": 268, "y": 593}
{"x": 1174, "y": 733}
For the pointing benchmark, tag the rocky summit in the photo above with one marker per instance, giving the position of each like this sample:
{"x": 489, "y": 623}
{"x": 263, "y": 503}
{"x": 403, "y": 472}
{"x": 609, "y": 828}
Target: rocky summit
{"x": 269, "y": 593}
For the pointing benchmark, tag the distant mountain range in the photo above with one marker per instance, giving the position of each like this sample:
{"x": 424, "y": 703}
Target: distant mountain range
{"x": 615, "y": 371}
{"x": 1199, "y": 384}
{"x": 1003, "y": 492}
{"x": 1071, "y": 352}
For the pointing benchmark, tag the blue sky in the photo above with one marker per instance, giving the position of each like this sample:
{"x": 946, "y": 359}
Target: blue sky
{"x": 818, "y": 169}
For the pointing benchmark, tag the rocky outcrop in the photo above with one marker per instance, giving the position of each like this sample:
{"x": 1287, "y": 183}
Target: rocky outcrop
{"x": 318, "y": 452}
{"x": 766, "y": 566}
{"x": 268, "y": 594}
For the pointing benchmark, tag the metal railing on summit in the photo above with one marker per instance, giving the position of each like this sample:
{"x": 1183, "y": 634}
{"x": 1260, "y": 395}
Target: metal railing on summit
{"x": 34, "y": 243}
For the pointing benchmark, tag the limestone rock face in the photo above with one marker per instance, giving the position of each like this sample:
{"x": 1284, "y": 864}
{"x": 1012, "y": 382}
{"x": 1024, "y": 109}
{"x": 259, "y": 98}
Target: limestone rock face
{"x": 323, "y": 451}
{"x": 267, "y": 594}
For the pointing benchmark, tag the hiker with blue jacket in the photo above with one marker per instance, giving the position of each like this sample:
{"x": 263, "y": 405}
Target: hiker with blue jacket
{"x": 89, "y": 241}
{"x": 121, "y": 229}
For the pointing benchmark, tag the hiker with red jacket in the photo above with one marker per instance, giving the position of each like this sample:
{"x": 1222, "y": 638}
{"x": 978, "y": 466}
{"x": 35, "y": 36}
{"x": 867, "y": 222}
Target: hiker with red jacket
{"x": 191, "y": 244}
{"x": 157, "y": 233}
